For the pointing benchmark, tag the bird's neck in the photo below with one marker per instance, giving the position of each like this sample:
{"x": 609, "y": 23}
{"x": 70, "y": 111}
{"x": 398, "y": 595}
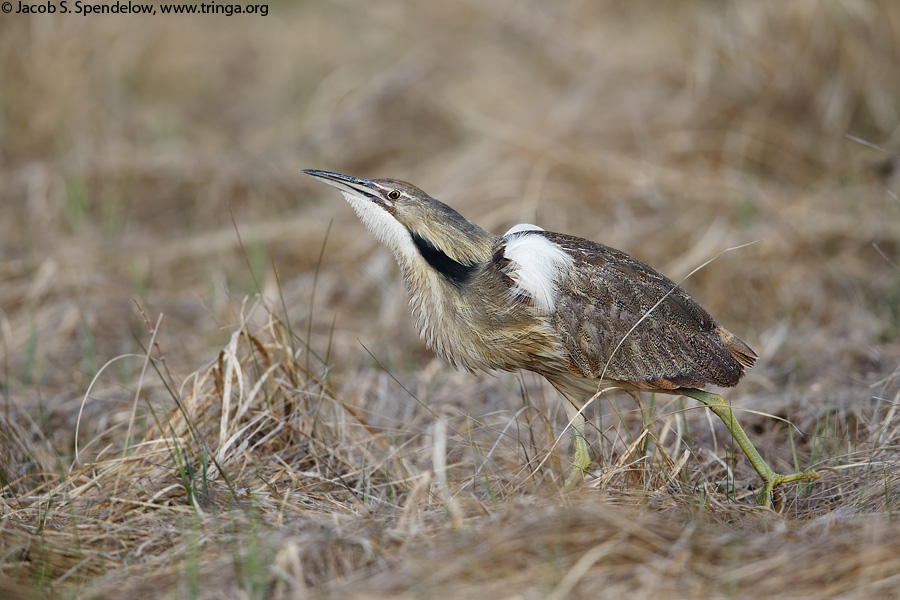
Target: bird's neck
{"x": 440, "y": 289}
{"x": 475, "y": 322}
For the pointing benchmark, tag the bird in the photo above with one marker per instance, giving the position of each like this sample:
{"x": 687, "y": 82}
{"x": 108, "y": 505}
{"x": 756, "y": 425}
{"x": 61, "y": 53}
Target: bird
{"x": 583, "y": 315}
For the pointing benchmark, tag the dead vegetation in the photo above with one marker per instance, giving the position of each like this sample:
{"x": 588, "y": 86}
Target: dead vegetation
{"x": 211, "y": 386}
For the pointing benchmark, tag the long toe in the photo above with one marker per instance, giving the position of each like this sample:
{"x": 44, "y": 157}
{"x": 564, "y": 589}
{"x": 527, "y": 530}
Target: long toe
{"x": 574, "y": 479}
{"x": 768, "y": 496}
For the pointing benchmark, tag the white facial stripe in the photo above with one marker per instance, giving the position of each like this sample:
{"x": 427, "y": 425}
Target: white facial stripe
{"x": 384, "y": 226}
{"x": 537, "y": 263}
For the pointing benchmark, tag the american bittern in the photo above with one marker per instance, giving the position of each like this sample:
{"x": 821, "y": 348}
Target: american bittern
{"x": 579, "y": 313}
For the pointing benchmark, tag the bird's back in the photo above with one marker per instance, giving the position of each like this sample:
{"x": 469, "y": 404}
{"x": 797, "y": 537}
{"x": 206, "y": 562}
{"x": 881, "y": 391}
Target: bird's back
{"x": 619, "y": 320}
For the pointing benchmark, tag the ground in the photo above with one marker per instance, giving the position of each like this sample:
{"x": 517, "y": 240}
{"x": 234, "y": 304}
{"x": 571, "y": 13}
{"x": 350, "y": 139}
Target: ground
{"x": 211, "y": 385}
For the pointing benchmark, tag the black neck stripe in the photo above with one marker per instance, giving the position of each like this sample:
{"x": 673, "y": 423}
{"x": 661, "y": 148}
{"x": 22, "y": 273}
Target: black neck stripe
{"x": 456, "y": 272}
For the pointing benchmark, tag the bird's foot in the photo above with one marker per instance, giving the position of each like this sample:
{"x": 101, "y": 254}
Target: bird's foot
{"x": 770, "y": 478}
{"x": 767, "y": 496}
{"x": 573, "y": 480}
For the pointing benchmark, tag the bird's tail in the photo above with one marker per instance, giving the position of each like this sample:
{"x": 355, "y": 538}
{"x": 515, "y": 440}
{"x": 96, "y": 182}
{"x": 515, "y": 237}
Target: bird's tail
{"x": 739, "y": 350}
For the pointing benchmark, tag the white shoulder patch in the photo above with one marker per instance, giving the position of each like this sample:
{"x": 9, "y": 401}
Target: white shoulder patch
{"x": 522, "y": 227}
{"x": 537, "y": 264}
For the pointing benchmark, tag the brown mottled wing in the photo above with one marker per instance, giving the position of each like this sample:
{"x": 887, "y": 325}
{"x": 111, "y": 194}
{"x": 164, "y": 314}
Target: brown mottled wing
{"x": 603, "y": 298}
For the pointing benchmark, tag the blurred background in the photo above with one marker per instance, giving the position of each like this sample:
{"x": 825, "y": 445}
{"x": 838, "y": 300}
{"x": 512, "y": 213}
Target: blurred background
{"x": 151, "y": 164}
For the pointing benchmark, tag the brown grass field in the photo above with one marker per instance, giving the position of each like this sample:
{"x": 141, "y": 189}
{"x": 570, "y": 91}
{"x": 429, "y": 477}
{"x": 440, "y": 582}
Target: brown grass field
{"x": 211, "y": 385}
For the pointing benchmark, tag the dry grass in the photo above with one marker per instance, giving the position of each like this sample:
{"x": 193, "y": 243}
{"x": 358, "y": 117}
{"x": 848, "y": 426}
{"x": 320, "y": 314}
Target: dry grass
{"x": 254, "y": 413}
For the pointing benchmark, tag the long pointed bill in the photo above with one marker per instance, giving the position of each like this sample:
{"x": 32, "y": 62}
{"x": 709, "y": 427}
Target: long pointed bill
{"x": 362, "y": 188}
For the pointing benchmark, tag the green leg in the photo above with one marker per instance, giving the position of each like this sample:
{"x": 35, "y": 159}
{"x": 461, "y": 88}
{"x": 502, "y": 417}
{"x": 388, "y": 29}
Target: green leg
{"x": 582, "y": 454}
{"x": 770, "y": 478}
{"x": 581, "y": 463}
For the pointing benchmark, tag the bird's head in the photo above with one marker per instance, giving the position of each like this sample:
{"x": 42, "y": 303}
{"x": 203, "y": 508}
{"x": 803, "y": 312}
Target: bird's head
{"x": 414, "y": 225}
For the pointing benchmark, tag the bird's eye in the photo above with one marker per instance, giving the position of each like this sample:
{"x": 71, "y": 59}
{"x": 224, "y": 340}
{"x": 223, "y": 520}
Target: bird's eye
{"x": 393, "y": 194}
